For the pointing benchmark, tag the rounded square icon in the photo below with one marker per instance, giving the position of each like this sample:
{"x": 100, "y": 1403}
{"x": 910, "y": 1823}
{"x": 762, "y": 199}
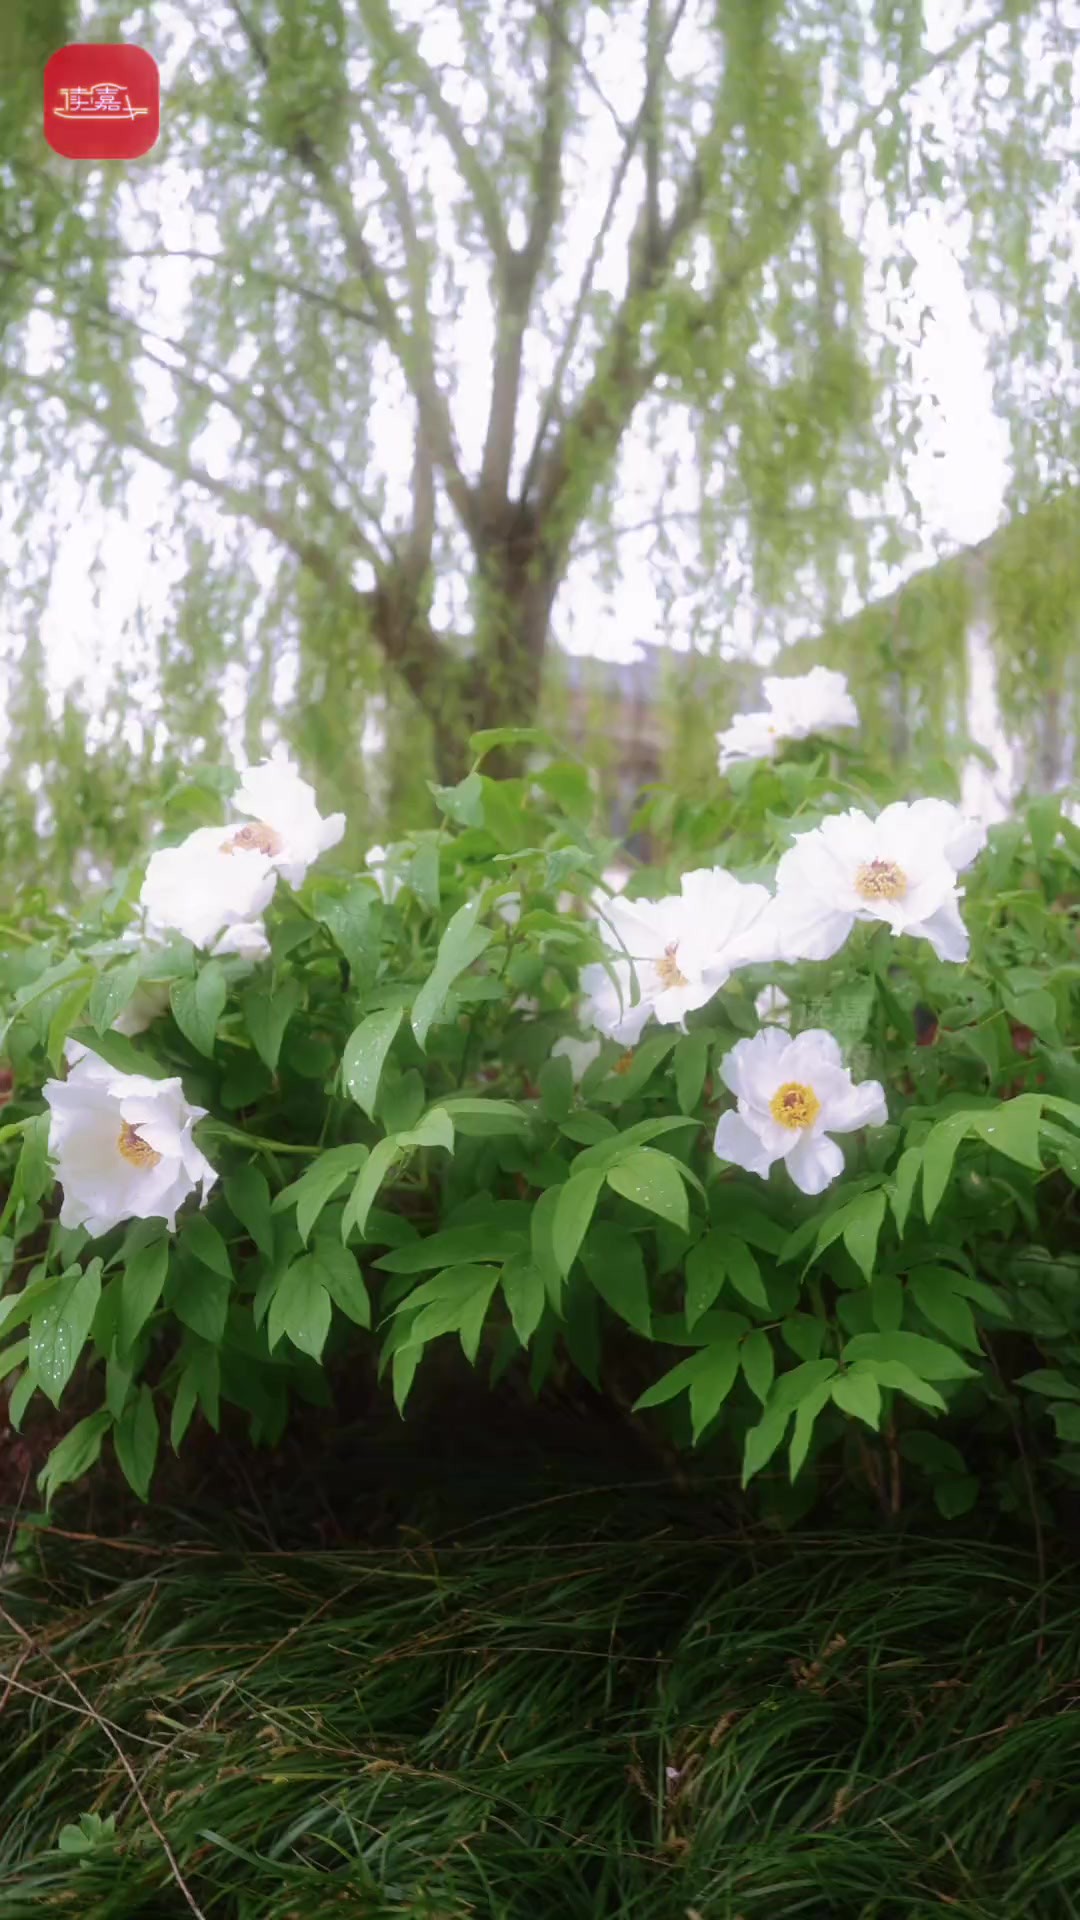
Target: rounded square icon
{"x": 102, "y": 102}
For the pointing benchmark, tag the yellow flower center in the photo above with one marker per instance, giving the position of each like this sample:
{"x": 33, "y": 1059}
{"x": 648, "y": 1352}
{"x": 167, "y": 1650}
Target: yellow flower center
{"x": 624, "y": 1065}
{"x": 668, "y": 968}
{"x": 881, "y": 880}
{"x": 135, "y": 1149}
{"x": 256, "y": 837}
{"x": 795, "y": 1105}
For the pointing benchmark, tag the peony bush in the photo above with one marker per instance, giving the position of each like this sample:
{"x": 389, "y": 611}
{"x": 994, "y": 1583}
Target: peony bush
{"x": 781, "y": 1139}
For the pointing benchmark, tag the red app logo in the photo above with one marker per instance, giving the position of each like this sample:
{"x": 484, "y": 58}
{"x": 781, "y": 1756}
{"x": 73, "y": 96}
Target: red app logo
{"x": 102, "y": 102}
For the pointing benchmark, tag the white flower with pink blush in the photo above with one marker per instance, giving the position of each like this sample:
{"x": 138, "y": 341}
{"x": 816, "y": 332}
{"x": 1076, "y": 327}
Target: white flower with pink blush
{"x": 796, "y": 707}
{"x": 685, "y": 946}
{"x": 286, "y": 823}
{"x": 123, "y": 1147}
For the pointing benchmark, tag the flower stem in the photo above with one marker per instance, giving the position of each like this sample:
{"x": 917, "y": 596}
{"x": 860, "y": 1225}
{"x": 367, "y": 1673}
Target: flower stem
{"x": 255, "y": 1140}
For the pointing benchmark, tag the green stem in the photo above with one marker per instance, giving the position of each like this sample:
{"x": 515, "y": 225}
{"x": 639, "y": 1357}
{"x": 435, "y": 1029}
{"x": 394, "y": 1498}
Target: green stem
{"x": 16, "y": 933}
{"x": 255, "y": 1140}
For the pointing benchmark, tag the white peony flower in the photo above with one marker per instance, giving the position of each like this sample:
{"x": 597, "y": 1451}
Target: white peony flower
{"x": 149, "y": 1000}
{"x": 580, "y": 1053}
{"x": 791, "y": 1095}
{"x": 751, "y": 736}
{"x": 204, "y": 885}
{"x": 246, "y": 938}
{"x": 388, "y": 882}
{"x": 772, "y": 1007}
{"x": 900, "y": 868}
{"x": 286, "y": 823}
{"x": 806, "y": 703}
{"x": 122, "y": 1146}
{"x": 606, "y": 1006}
{"x": 686, "y": 946}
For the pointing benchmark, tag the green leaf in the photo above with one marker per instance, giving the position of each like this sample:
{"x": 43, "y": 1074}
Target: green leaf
{"x": 317, "y": 1186}
{"x": 525, "y": 1295}
{"x": 938, "y": 1154}
{"x": 200, "y": 1298}
{"x": 955, "y": 1495}
{"x": 482, "y": 743}
{"x": 705, "y": 1275}
{"x": 135, "y": 1439}
{"x": 141, "y": 1286}
{"x": 805, "y": 1416}
{"x": 804, "y": 1333}
{"x": 455, "y": 1301}
{"x": 862, "y": 1226}
{"x": 691, "y": 1065}
{"x": 556, "y": 1086}
{"x": 613, "y": 1261}
{"x": 199, "y": 1384}
{"x": 117, "y": 1385}
{"x": 112, "y": 992}
{"x": 33, "y": 1173}
{"x": 75, "y": 1453}
{"x": 573, "y": 1212}
{"x": 926, "y": 1358}
{"x": 857, "y": 1392}
{"x": 1013, "y": 1129}
{"x": 903, "y": 1185}
{"x": 64, "y": 1018}
{"x": 300, "y": 1308}
{"x": 678, "y": 1380}
{"x": 456, "y": 1246}
{"x": 339, "y": 1272}
{"x": 248, "y": 1195}
{"x": 475, "y": 1116}
{"x": 943, "y": 1306}
{"x": 461, "y": 944}
{"x": 59, "y": 1327}
{"x": 758, "y": 1364}
{"x": 711, "y": 1385}
{"x": 893, "y": 1373}
{"x": 434, "y": 1128}
{"x": 652, "y": 1180}
{"x": 266, "y": 1016}
{"x": 370, "y": 1178}
{"x": 887, "y": 1302}
{"x": 198, "y": 1004}
{"x": 1050, "y": 1381}
{"x": 464, "y": 802}
{"x": 202, "y": 1239}
{"x": 762, "y": 1441}
{"x": 365, "y": 1055}
{"x": 353, "y": 919}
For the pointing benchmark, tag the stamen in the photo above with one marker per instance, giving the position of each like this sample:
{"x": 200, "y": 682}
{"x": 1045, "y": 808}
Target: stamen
{"x": 135, "y": 1149}
{"x": 881, "y": 880}
{"x": 256, "y": 837}
{"x": 795, "y": 1105}
{"x": 668, "y": 968}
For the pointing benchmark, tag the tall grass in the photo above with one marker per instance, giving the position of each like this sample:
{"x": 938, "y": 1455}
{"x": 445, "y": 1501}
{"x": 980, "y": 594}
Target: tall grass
{"x": 572, "y": 1712}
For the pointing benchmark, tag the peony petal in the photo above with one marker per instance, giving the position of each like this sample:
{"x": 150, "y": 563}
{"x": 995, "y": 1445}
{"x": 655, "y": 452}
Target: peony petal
{"x": 814, "y": 1162}
{"x": 945, "y": 931}
{"x": 740, "y": 1146}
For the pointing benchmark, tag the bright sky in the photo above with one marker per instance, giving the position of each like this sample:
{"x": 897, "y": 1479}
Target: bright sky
{"x": 959, "y": 476}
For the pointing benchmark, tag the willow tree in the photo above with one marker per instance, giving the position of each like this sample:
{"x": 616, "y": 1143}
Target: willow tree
{"x": 416, "y": 294}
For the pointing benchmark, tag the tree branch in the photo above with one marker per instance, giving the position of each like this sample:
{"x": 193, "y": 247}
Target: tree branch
{"x": 416, "y": 364}
{"x": 630, "y": 144}
{"x": 517, "y": 275}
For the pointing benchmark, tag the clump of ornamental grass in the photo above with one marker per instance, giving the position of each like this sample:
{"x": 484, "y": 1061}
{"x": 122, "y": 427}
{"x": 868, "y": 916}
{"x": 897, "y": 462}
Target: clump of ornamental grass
{"x": 563, "y": 1712}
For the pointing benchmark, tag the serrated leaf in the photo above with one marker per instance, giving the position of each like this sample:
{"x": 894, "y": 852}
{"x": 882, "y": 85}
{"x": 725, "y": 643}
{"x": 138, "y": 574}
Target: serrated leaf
{"x": 365, "y": 1055}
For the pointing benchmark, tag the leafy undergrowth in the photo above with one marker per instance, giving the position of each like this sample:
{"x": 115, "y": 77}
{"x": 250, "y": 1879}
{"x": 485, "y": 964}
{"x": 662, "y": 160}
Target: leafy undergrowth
{"x": 590, "y": 1705}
